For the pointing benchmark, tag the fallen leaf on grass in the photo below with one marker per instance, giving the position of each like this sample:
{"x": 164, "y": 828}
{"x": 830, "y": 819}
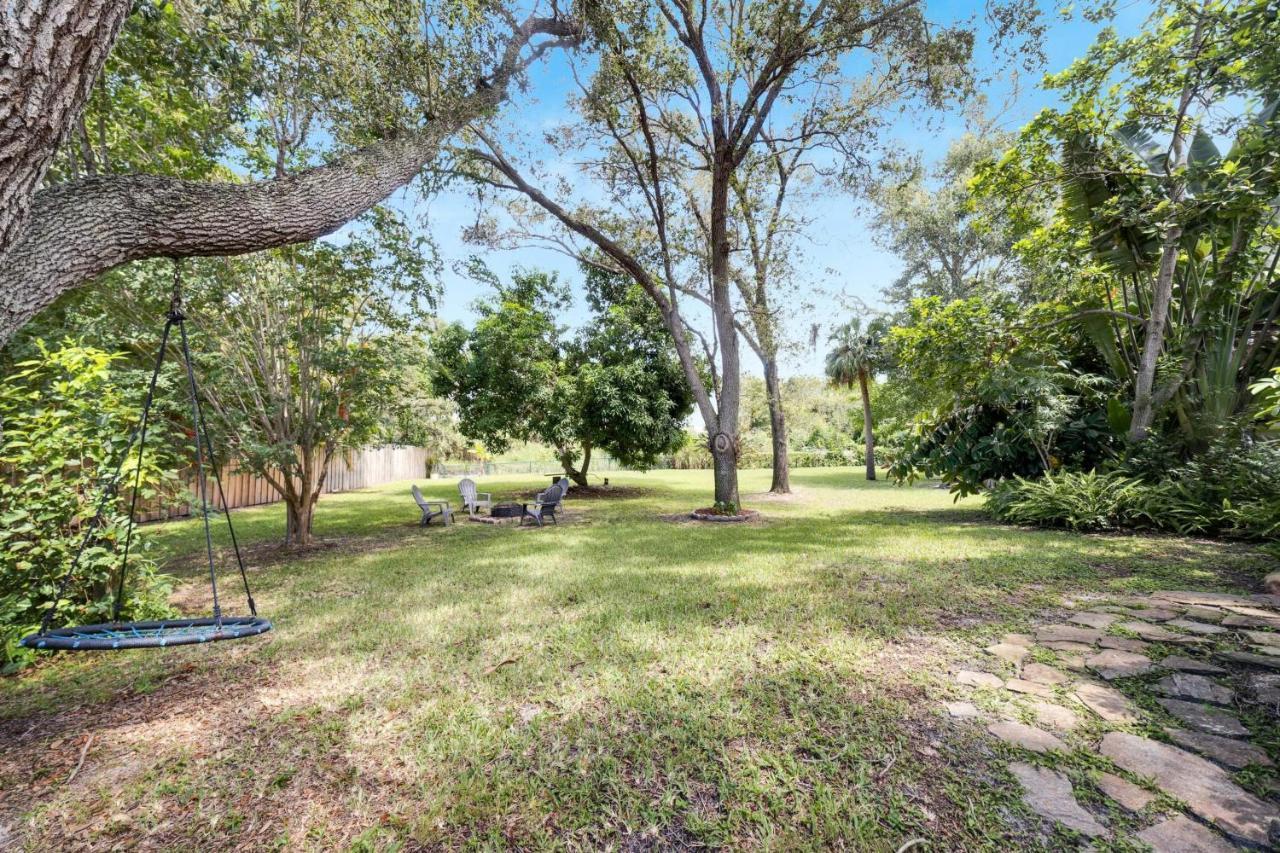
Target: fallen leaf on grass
{"x": 497, "y": 666}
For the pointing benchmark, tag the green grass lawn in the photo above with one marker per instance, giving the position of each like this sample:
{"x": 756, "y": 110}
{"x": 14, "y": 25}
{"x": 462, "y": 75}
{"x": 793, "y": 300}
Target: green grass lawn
{"x": 623, "y": 679}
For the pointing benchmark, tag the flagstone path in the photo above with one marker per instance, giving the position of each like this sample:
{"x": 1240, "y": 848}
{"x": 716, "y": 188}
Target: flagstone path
{"x": 1178, "y": 692}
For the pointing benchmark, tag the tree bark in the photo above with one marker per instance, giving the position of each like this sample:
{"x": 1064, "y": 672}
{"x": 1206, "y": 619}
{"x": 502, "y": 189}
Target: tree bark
{"x": 1153, "y": 342}
{"x": 868, "y": 437}
{"x": 53, "y": 53}
{"x": 577, "y": 475}
{"x": 724, "y": 464}
{"x": 729, "y": 399}
{"x": 78, "y": 230}
{"x": 781, "y": 484}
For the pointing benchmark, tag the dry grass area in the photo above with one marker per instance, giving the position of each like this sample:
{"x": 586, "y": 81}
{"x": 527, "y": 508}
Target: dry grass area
{"x": 614, "y": 681}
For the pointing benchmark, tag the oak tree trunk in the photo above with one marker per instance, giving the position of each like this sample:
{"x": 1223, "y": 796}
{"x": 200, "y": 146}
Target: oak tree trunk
{"x": 868, "y": 437}
{"x": 53, "y": 52}
{"x": 781, "y": 484}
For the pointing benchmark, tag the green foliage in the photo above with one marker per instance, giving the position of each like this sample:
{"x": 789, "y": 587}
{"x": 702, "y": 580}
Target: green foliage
{"x": 515, "y": 376}
{"x": 1230, "y": 490}
{"x": 1139, "y": 192}
{"x": 856, "y": 353}
{"x": 1266, "y": 393}
{"x": 1007, "y": 402}
{"x": 952, "y": 244}
{"x": 1078, "y": 501}
{"x": 64, "y": 427}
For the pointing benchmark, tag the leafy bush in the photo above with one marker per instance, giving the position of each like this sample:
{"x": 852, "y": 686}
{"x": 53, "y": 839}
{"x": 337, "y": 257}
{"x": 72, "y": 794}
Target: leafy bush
{"x": 1077, "y": 501}
{"x": 1232, "y": 489}
{"x": 63, "y": 428}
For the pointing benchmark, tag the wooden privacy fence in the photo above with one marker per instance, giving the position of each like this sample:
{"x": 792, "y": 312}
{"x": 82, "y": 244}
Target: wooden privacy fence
{"x": 354, "y": 469}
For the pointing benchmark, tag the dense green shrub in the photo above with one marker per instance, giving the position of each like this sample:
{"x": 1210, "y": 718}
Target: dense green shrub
{"x": 63, "y": 427}
{"x": 1077, "y": 501}
{"x": 1232, "y": 489}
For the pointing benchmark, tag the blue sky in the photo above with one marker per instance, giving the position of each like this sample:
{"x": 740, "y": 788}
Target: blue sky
{"x": 841, "y": 253}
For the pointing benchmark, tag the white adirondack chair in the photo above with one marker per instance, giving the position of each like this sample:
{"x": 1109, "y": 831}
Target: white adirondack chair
{"x": 431, "y": 509}
{"x": 473, "y": 500}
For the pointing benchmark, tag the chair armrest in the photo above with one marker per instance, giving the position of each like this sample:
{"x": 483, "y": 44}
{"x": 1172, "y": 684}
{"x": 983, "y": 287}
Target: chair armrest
{"x": 488, "y": 496}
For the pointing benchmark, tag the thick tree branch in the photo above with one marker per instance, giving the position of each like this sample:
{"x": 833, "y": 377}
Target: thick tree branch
{"x": 79, "y": 230}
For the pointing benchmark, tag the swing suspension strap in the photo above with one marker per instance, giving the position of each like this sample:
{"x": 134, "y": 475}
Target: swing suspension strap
{"x": 203, "y": 448}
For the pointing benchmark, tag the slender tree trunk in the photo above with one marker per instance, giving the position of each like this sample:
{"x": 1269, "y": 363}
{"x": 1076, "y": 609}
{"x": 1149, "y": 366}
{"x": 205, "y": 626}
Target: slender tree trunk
{"x": 868, "y": 437}
{"x": 1153, "y": 342}
{"x": 781, "y": 484}
{"x": 724, "y": 444}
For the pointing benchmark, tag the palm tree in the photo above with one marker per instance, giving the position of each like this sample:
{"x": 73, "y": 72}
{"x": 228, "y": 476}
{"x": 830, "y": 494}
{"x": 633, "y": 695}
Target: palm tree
{"x": 854, "y": 358}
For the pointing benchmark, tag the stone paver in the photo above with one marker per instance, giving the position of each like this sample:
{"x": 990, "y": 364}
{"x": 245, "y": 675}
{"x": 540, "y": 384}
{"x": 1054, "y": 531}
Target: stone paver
{"x": 1069, "y": 648}
{"x": 1049, "y": 794}
{"x": 1224, "y": 750}
{"x": 1210, "y": 599}
{"x": 1206, "y": 788}
{"x": 1237, "y": 621}
{"x": 1266, "y": 616}
{"x": 962, "y": 710}
{"x": 1008, "y": 652}
{"x": 1204, "y": 718}
{"x": 1204, "y": 614}
{"x": 1154, "y": 614}
{"x": 1153, "y": 632}
{"x": 1124, "y": 644}
{"x": 1181, "y": 834}
{"x": 1184, "y": 685}
{"x": 1108, "y": 703}
{"x": 1195, "y": 627}
{"x": 1031, "y": 688}
{"x": 1264, "y": 687}
{"x": 1191, "y": 665}
{"x": 1054, "y": 716}
{"x": 1089, "y": 619}
{"x": 1071, "y": 660}
{"x": 1274, "y": 651}
{"x": 1113, "y": 663}
{"x": 1263, "y": 638}
{"x": 1027, "y": 737}
{"x": 1249, "y": 659}
{"x": 1042, "y": 674}
{"x": 1124, "y": 792}
{"x": 1068, "y": 634}
{"x": 1024, "y": 640}
{"x": 970, "y": 678}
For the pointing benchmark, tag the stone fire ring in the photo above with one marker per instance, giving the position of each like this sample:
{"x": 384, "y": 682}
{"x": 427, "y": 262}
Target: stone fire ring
{"x": 709, "y": 514}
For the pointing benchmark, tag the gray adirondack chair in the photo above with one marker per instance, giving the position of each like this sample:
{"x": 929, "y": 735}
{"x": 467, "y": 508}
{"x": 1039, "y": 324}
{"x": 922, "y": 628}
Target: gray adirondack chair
{"x": 473, "y": 500}
{"x": 431, "y": 509}
{"x": 547, "y": 503}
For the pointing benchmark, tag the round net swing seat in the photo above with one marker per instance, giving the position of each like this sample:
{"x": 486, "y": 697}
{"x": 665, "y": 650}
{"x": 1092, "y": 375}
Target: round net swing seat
{"x": 148, "y": 635}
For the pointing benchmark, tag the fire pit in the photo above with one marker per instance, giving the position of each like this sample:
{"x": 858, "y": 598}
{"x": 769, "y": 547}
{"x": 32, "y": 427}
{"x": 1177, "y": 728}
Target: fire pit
{"x": 507, "y": 510}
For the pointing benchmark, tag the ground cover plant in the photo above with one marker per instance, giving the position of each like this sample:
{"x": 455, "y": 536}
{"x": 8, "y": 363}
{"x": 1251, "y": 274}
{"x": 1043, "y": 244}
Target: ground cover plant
{"x": 626, "y": 678}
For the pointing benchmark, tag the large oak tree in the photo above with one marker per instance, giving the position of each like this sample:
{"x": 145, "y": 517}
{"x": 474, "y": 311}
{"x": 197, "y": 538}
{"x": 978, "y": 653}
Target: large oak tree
{"x": 402, "y": 78}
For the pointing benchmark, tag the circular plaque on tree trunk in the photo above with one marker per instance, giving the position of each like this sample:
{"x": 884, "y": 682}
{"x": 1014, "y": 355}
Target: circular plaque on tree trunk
{"x": 721, "y": 443}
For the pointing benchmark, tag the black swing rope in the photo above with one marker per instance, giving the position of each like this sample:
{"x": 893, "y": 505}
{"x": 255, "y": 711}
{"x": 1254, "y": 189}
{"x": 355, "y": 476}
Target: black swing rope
{"x": 149, "y": 634}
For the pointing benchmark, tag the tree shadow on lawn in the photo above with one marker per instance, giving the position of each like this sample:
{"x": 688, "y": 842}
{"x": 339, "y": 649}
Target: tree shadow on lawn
{"x": 683, "y": 678}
